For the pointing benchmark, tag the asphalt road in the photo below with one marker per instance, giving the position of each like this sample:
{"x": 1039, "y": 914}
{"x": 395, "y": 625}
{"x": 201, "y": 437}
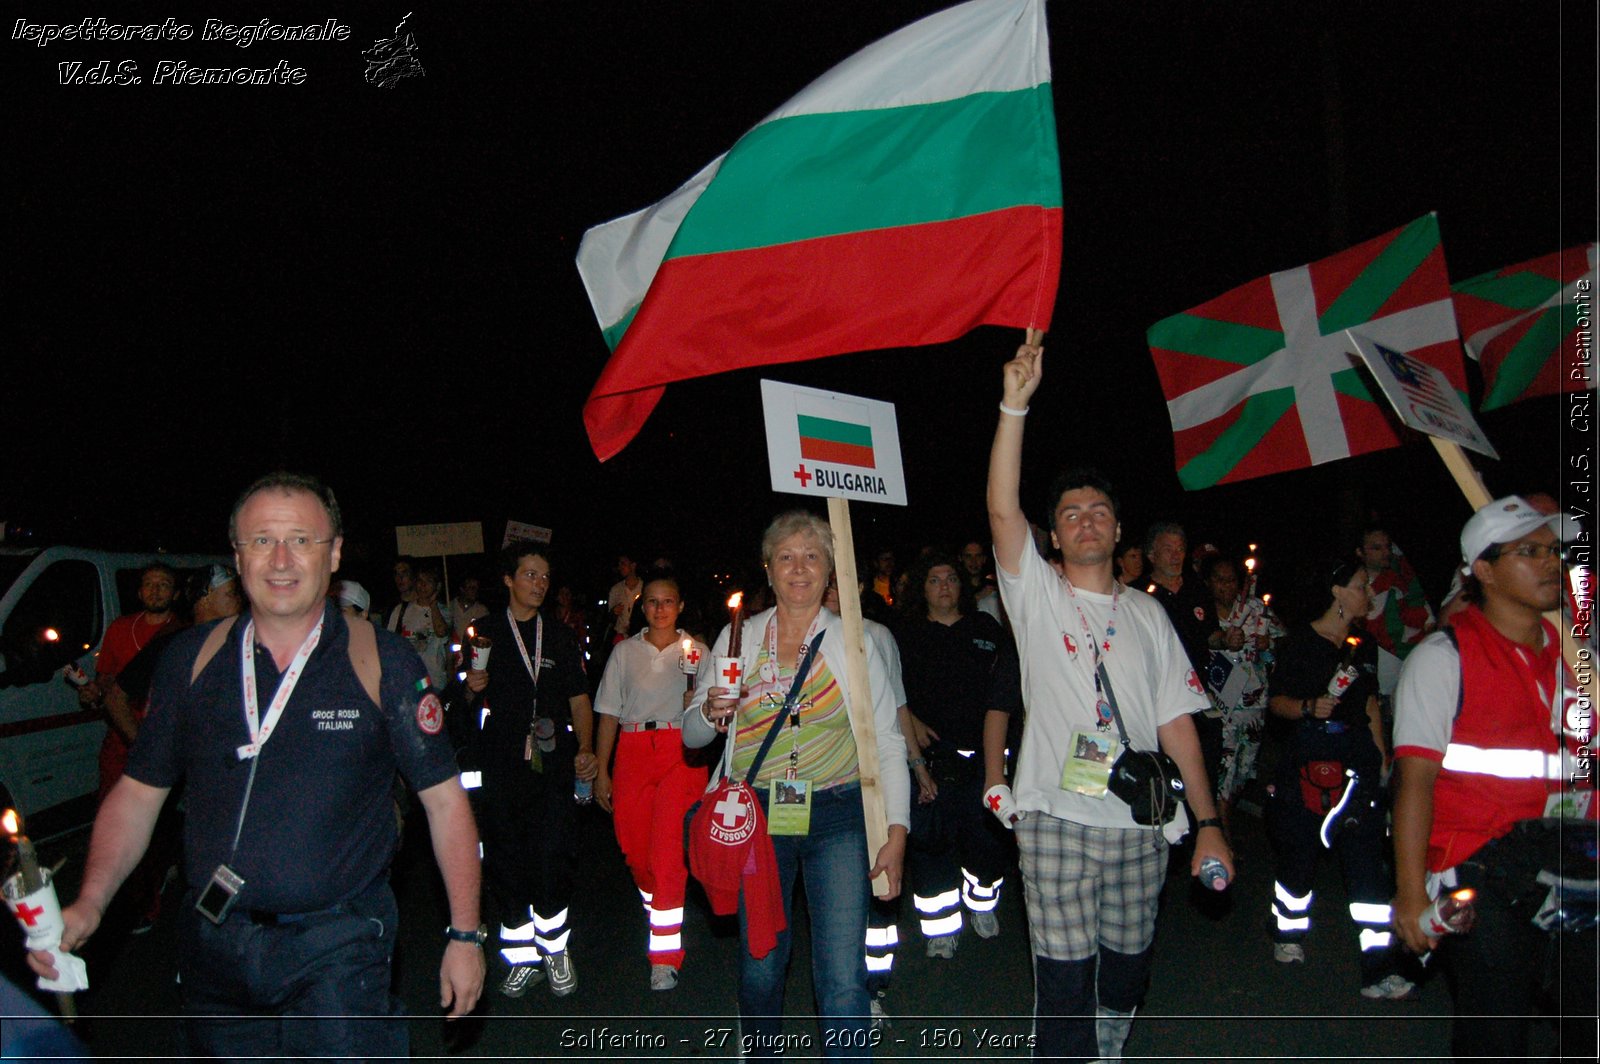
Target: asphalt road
{"x": 1215, "y": 993}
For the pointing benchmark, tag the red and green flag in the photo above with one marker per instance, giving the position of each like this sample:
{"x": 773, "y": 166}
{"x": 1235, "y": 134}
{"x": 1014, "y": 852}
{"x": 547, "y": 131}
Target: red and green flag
{"x": 908, "y": 195}
{"x": 1522, "y": 325}
{"x": 1262, "y": 379}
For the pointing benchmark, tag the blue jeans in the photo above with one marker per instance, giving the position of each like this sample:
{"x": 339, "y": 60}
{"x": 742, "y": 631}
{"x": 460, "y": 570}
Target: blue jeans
{"x": 315, "y": 986}
{"x": 833, "y": 861}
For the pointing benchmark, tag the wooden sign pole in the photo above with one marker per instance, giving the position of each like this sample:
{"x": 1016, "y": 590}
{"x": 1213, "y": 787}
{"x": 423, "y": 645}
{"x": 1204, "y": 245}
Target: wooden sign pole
{"x": 862, "y": 725}
{"x": 1472, "y": 486}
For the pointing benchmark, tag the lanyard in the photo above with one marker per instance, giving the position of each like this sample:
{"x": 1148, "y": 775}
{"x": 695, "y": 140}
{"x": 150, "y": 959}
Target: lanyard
{"x": 1102, "y": 708}
{"x": 791, "y": 696}
{"x": 261, "y": 731}
{"x": 537, "y": 663}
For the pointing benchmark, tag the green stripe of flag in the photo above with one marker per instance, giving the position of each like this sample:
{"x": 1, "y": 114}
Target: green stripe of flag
{"x": 1360, "y": 302}
{"x": 1349, "y": 383}
{"x": 1524, "y": 361}
{"x": 1226, "y": 341}
{"x": 819, "y": 175}
{"x": 821, "y": 428}
{"x": 1523, "y": 290}
{"x": 613, "y": 335}
{"x": 1260, "y": 413}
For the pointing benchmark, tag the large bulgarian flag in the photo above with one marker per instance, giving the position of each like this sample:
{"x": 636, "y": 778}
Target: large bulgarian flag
{"x": 1522, "y": 325}
{"x": 909, "y": 194}
{"x": 1262, "y": 380}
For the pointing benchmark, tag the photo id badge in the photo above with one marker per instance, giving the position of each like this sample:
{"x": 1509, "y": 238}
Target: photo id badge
{"x": 1088, "y": 767}
{"x": 1569, "y": 805}
{"x": 217, "y": 899}
{"x": 789, "y": 807}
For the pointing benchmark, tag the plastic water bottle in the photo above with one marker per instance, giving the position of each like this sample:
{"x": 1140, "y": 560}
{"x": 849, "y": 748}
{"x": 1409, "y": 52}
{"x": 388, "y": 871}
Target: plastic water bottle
{"x": 583, "y": 792}
{"x": 1214, "y": 874}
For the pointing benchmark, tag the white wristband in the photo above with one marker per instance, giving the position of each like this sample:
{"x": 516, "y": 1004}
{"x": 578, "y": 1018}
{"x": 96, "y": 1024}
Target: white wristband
{"x": 1013, "y": 411}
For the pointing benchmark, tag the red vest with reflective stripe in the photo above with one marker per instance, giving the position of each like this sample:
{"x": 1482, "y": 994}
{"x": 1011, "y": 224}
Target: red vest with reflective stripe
{"x": 1501, "y": 709}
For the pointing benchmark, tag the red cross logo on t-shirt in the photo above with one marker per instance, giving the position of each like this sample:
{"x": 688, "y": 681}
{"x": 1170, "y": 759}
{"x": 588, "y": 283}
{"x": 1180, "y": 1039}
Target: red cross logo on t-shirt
{"x": 26, "y": 915}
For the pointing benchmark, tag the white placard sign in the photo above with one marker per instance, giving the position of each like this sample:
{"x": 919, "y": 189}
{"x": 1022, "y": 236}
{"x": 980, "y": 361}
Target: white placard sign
{"x": 1422, "y": 395}
{"x": 516, "y": 530}
{"x": 435, "y": 541}
{"x": 826, "y": 445}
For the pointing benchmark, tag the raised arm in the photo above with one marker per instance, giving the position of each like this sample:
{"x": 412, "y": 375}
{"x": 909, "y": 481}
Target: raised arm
{"x": 1007, "y": 523}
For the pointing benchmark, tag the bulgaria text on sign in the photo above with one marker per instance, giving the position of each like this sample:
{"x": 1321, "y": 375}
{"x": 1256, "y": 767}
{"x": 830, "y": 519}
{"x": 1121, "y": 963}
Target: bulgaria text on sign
{"x": 517, "y": 530}
{"x": 1421, "y": 395}
{"x": 830, "y": 445}
{"x": 433, "y": 541}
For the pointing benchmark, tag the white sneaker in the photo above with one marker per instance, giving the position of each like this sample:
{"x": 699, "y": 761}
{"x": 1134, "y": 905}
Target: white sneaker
{"x": 1290, "y": 953}
{"x": 987, "y": 925}
{"x": 563, "y": 979}
{"x": 663, "y": 977}
{"x": 519, "y": 978}
{"x": 1390, "y": 988}
{"x": 880, "y": 1018}
{"x": 943, "y": 946}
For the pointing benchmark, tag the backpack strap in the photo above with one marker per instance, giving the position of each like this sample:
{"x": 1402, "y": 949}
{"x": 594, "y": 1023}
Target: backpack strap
{"x": 363, "y": 645}
{"x": 1461, "y": 669}
{"x": 209, "y": 648}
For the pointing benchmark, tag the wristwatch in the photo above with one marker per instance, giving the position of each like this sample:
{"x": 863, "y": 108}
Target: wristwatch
{"x": 477, "y": 938}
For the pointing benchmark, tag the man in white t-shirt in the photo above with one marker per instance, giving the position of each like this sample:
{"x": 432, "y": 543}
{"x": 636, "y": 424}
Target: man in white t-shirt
{"x": 623, "y": 593}
{"x": 1093, "y": 876}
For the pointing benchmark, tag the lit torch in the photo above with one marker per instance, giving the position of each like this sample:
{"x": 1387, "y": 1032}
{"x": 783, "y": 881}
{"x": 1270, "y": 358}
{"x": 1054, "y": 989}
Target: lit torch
{"x": 730, "y": 670}
{"x": 689, "y": 660}
{"x": 32, "y": 900}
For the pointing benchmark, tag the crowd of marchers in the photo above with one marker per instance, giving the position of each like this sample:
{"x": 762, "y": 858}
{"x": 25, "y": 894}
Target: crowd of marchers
{"x": 1060, "y": 701}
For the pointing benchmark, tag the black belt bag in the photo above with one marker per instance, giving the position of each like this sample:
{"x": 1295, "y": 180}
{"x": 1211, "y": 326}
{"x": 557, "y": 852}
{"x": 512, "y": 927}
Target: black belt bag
{"x": 1148, "y": 780}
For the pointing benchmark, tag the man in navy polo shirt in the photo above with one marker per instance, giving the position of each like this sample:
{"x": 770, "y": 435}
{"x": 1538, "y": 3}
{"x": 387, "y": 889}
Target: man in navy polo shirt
{"x": 286, "y": 938}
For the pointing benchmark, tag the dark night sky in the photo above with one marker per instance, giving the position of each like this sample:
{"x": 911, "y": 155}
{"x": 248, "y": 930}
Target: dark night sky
{"x": 205, "y": 282}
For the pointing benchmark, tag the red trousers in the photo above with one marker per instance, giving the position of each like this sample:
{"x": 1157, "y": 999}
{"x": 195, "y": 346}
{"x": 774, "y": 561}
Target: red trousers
{"x": 652, "y": 789}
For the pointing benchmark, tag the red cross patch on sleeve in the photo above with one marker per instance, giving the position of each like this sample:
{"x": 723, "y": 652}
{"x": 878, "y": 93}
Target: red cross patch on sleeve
{"x": 430, "y": 714}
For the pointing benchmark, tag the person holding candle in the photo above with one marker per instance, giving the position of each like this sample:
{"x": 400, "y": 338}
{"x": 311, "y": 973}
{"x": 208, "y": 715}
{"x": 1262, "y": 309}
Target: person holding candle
{"x": 1327, "y": 793}
{"x": 288, "y": 724}
{"x": 824, "y": 840}
{"x": 1240, "y": 642}
{"x": 642, "y": 695}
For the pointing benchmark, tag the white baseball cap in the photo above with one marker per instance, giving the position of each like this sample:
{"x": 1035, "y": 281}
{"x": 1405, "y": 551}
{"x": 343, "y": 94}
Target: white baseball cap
{"x": 350, "y": 593}
{"x": 1509, "y": 519}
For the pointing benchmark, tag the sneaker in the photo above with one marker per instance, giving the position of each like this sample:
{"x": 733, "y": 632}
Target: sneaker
{"x": 943, "y": 946}
{"x": 987, "y": 925}
{"x": 563, "y": 979}
{"x": 880, "y": 1018}
{"x": 662, "y": 976}
{"x": 1390, "y": 988}
{"x": 1290, "y": 953}
{"x": 519, "y": 978}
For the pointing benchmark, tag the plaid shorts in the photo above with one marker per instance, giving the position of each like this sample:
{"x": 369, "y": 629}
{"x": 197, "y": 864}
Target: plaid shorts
{"x": 1088, "y": 887}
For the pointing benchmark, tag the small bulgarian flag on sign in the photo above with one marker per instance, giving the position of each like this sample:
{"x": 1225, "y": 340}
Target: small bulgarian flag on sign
{"x": 840, "y": 442}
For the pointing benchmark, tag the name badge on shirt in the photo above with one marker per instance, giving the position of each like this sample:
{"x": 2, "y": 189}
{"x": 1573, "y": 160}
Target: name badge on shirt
{"x": 789, "y": 807}
{"x": 1088, "y": 767}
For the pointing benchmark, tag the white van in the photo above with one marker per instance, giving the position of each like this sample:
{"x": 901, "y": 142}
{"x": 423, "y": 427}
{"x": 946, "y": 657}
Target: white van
{"x": 56, "y": 606}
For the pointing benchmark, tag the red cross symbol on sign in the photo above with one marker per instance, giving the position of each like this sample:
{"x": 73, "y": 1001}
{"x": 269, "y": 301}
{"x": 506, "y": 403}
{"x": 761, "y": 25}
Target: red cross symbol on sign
{"x": 802, "y": 476}
{"x": 732, "y": 673}
{"x": 994, "y": 803}
{"x": 26, "y": 915}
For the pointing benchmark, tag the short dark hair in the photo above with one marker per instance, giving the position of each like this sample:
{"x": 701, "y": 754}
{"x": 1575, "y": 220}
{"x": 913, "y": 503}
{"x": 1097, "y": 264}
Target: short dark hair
{"x": 518, "y": 549}
{"x": 288, "y": 482}
{"x": 1079, "y": 477}
{"x": 1209, "y": 563}
{"x": 915, "y": 605}
{"x": 159, "y": 567}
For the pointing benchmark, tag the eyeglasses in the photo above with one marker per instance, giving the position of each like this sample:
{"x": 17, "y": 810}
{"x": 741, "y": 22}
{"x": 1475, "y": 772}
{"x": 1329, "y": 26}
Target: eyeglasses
{"x": 262, "y": 546}
{"x": 1537, "y": 552}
